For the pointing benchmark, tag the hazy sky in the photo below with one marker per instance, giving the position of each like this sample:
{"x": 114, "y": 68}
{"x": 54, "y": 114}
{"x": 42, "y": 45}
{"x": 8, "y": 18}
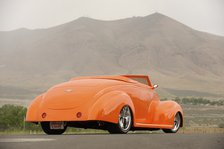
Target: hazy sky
{"x": 204, "y": 15}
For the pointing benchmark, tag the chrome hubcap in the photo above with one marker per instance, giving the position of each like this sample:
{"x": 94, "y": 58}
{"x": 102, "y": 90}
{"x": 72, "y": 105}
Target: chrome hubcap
{"x": 125, "y": 118}
{"x": 177, "y": 121}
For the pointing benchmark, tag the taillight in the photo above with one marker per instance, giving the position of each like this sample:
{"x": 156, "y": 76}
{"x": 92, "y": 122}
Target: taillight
{"x": 44, "y": 115}
{"x": 78, "y": 114}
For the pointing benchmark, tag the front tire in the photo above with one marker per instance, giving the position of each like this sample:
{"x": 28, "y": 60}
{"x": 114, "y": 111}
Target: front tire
{"x": 176, "y": 125}
{"x": 124, "y": 122}
{"x": 46, "y": 128}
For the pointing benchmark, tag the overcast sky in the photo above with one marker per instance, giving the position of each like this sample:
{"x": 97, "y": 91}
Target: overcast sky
{"x": 203, "y": 15}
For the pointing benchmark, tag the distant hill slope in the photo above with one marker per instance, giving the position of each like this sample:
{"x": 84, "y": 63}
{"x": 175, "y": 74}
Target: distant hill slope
{"x": 183, "y": 61}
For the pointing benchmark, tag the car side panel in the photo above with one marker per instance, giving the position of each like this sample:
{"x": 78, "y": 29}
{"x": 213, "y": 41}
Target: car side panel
{"x": 141, "y": 98}
{"x": 107, "y": 107}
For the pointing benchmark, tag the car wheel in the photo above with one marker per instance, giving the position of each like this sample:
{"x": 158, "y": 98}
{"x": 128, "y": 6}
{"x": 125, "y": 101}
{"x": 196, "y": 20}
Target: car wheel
{"x": 176, "y": 125}
{"x": 46, "y": 128}
{"x": 124, "y": 122}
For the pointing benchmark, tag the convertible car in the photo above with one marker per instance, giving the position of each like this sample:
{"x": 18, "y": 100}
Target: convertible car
{"x": 114, "y": 103}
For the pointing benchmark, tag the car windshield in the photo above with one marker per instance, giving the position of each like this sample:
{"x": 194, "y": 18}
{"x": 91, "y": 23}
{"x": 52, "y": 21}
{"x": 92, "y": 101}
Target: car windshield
{"x": 140, "y": 78}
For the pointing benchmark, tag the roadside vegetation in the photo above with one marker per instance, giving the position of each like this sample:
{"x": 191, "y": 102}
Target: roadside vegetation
{"x": 197, "y": 101}
{"x": 12, "y": 117}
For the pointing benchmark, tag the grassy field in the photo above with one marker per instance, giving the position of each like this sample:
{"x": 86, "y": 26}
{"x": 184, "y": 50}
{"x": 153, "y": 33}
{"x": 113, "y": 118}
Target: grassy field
{"x": 203, "y": 115}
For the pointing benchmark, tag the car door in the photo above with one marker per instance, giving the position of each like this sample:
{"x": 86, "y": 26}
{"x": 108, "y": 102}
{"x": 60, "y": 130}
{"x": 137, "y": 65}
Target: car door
{"x": 142, "y": 96}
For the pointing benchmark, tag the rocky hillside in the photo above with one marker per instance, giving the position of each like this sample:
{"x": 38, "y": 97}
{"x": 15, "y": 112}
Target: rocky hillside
{"x": 183, "y": 61}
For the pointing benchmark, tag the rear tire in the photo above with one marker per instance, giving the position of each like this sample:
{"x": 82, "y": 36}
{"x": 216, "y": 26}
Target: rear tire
{"x": 46, "y": 128}
{"x": 124, "y": 122}
{"x": 176, "y": 125}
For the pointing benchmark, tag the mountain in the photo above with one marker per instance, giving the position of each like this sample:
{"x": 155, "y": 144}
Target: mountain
{"x": 183, "y": 61}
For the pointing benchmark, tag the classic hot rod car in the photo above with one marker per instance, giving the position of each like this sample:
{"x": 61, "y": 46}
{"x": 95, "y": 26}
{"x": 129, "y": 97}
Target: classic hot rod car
{"x": 114, "y": 103}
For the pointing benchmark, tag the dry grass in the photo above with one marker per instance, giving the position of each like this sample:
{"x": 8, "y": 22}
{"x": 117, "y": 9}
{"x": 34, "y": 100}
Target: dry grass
{"x": 190, "y": 130}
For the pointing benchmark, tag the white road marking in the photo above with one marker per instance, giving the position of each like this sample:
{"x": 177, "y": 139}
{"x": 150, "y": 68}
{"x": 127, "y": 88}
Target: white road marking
{"x": 25, "y": 140}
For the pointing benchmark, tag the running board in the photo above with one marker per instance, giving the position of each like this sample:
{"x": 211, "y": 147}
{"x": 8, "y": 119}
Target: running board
{"x": 153, "y": 126}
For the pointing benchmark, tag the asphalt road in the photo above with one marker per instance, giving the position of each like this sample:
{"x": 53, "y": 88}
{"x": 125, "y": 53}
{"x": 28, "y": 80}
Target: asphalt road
{"x": 107, "y": 141}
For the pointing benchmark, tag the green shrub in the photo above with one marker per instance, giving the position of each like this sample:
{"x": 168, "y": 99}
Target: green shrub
{"x": 12, "y": 117}
{"x": 197, "y": 101}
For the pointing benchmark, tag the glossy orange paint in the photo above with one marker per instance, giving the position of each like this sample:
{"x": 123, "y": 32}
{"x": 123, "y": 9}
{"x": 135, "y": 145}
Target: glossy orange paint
{"x": 101, "y": 98}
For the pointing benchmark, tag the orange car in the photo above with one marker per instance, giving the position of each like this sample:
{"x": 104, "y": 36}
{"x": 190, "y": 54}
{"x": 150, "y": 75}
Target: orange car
{"x": 114, "y": 103}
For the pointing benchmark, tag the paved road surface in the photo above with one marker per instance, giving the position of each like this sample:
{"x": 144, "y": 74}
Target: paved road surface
{"x": 107, "y": 141}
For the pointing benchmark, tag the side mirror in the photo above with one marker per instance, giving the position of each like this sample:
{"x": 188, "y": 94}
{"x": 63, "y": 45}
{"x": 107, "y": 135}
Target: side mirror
{"x": 155, "y": 86}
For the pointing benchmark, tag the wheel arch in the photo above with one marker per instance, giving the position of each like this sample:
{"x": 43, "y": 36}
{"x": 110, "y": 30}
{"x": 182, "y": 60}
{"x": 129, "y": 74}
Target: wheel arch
{"x": 181, "y": 117}
{"x": 107, "y": 107}
{"x": 133, "y": 118}
{"x": 178, "y": 110}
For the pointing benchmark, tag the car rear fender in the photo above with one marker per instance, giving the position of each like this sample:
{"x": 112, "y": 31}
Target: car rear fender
{"x": 32, "y": 111}
{"x": 107, "y": 107}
